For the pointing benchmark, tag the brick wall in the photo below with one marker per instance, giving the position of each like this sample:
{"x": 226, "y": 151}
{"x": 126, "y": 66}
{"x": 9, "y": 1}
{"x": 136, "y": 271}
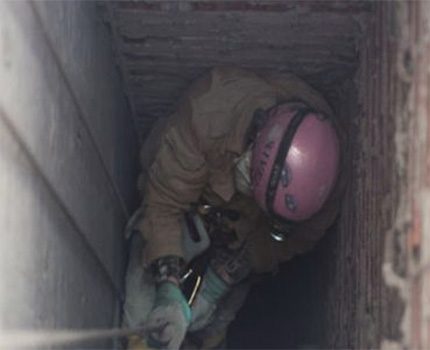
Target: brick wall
{"x": 378, "y": 279}
{"x": 361, "y": 308}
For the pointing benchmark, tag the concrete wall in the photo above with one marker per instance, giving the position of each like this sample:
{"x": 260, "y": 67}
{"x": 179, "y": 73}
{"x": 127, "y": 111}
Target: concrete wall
{"x": 66, "y": 167}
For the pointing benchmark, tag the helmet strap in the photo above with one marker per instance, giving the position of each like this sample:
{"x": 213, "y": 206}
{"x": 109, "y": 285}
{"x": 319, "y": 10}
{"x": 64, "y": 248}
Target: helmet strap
{"x": 281, "y": 155}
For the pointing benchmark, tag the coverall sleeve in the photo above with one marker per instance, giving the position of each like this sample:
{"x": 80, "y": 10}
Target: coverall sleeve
{"x": 192, "y": 154}
{"x": 176, "y": 179}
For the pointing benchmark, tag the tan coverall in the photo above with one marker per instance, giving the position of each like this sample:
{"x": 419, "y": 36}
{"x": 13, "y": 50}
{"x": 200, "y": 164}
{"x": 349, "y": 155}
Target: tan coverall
{"x": 192, "y": 155}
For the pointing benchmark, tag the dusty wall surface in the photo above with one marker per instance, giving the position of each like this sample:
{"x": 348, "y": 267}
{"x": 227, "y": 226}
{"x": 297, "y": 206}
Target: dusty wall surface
{"x": 367, "y": 283}
{"x": 163, "y": 45}
{"x": 84, "y": 47}
{"x": 362, "y": 309}
{"x": 66, "y": 138}
{"x": 416, "y": 52}
{"x": 374, "y": 286}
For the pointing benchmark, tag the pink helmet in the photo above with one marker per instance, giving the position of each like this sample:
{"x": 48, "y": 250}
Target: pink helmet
{"x": 295, "y": 162}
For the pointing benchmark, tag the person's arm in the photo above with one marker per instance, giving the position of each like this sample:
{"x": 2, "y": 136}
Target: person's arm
{"x": 176, "y": 179}
{"x": 228, "y": 268}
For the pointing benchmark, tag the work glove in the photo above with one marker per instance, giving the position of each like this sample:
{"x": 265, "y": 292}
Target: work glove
{"x": 213, "y": 289}
{"x": 227, "y": 268}
{"x": 167, "y": 323}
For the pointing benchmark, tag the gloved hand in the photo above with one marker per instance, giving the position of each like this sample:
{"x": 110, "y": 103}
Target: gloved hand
{"x": 213, "y": 289}
{"x": 167, "y": 323}
{"x": 227, "y": 268}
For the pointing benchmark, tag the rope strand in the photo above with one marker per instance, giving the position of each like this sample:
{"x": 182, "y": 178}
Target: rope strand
{"x": 43, "y": 338}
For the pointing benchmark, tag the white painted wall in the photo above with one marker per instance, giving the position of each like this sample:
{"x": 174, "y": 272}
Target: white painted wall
{"x": 67, "y": 149}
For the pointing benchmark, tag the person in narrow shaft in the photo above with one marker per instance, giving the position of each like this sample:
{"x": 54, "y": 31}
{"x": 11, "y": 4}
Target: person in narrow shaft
{"x": 244, "y": 175}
